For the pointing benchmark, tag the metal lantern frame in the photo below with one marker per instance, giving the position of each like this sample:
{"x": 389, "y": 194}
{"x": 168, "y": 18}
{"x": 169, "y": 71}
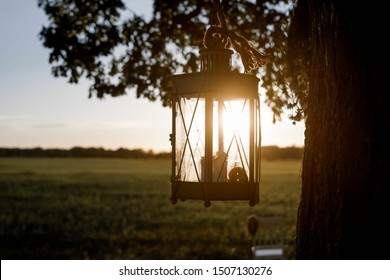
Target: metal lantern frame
{"x": 204, "y": 166}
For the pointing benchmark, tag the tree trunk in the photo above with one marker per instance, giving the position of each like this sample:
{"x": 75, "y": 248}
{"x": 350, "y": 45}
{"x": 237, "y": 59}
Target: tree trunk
{"x": 344, "y": 207}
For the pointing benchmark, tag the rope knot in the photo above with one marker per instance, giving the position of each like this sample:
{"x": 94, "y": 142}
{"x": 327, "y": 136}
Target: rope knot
{"x": 218, "y": 36}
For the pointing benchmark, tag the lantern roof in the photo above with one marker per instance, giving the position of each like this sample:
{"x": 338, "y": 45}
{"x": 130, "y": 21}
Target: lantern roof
{"x": 220, "y": 85}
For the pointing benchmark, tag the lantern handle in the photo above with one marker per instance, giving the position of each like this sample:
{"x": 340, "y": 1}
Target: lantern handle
{"x": 219, "y": 36}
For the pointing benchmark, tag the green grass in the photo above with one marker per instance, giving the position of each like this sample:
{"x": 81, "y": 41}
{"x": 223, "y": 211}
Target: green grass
{"x": 120, "y": 209}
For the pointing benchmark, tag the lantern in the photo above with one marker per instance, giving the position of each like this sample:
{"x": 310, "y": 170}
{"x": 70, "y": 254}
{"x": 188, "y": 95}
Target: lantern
{"x": 215, "y": 132}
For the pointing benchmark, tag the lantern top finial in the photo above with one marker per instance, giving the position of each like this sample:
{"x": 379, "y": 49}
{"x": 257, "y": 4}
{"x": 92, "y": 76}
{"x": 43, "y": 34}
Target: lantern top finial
{"x": 215, "y": 59}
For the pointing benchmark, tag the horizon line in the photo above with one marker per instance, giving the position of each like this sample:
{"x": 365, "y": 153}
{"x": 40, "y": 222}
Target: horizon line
{"x": 118, "y": 148}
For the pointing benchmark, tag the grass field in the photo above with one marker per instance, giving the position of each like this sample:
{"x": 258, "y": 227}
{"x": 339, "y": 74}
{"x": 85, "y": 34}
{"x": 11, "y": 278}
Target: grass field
{"x": 120, "y": 209}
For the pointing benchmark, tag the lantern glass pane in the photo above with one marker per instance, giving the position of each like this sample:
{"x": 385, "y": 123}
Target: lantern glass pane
{"x": 235, "y": 133}
{"x": 257, "y": 140}
{"x": 190, "y": 134}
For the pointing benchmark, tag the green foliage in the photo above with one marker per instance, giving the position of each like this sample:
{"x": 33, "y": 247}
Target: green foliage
{"x": 117, "y": 50}
{"x": 120, "y": 209}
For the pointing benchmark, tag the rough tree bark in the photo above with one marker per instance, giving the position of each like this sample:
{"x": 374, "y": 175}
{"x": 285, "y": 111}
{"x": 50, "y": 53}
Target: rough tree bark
{"x": 344, "y": 207}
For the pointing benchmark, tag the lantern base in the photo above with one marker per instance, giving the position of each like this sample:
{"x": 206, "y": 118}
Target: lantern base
{"x": 222, "y": 191}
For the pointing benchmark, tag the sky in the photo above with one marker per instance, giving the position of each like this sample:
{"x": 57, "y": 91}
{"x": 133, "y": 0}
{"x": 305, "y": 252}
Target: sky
{"x": 38, "y": 110}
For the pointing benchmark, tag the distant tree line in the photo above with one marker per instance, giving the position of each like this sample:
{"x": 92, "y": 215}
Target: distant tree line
{"x": 80, "y": 152}
{"x": 267, "y": 152}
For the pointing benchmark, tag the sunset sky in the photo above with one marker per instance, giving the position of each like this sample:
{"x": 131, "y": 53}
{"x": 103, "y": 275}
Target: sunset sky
{"x": 38, "y": 110}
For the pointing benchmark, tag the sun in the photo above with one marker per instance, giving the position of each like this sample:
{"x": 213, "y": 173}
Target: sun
{"x": 231, "y": 141}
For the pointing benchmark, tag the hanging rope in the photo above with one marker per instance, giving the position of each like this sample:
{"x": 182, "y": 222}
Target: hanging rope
{"x": 218, "y": 36}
